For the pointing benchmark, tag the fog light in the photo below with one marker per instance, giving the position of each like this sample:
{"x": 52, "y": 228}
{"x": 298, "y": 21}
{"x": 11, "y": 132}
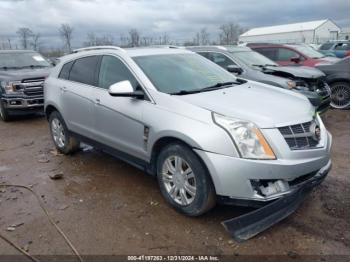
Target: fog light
{"x": 272, "y": 188}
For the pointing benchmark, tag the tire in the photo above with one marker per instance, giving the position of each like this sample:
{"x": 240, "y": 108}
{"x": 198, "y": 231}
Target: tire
{"x": 3, "y": 112}
{"x": 64, "y": 142}
{"x": 177, "y": 187}
{"x": 340, "y": 95}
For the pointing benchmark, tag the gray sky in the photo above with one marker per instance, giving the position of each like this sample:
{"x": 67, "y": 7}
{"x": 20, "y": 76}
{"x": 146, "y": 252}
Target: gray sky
{"x": 180, "y": 19}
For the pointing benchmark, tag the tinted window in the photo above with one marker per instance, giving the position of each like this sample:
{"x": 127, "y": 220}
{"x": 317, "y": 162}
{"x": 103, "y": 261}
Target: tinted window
{"x": 83, "y": 70}
{"x": 268, "y": 52}
{"x": 113, "y": 71}
{"x": 64, "y": 74}
{"x": 285, "y": 54}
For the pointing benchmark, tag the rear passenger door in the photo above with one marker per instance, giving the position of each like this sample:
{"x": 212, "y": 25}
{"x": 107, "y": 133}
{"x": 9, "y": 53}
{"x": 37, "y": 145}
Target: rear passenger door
{"x": 77, "y": 100}
{"x": 118, "y": 120}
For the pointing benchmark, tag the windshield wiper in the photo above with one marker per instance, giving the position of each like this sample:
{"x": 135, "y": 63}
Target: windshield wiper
{"x": 33, "y": 66}
{"x": 185, "y": 92}
{"x": 263, "y": 66}
{"x": 8, "y": 67}
{"x": 217, "y": 86}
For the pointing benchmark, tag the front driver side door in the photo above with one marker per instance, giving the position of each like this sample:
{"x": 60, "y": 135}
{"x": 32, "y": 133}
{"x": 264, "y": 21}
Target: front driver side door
{"x": 118, "y": 120}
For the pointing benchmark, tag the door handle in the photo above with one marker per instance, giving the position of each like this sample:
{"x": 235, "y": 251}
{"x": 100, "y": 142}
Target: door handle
{"x": 97, "y": 101}
{"x": 64, "y": 89}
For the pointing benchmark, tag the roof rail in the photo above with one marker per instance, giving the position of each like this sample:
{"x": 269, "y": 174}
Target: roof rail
{"x": 167, "y": 46}
{"x": 90, "y": 48}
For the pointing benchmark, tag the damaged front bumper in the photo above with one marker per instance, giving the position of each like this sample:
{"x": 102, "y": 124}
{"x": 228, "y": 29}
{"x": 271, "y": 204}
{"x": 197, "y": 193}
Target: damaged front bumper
{"x": 249, "y": 225}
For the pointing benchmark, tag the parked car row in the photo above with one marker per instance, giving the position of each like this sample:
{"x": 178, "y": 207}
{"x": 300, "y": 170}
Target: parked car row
{"x": 337, "y": 70}
{"x": 245, "y": 63}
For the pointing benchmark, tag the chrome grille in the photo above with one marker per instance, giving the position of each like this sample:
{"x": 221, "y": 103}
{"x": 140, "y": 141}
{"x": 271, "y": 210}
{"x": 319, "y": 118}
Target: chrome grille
{"x": 299, "y": 136}
{"x": 33, "y": 86}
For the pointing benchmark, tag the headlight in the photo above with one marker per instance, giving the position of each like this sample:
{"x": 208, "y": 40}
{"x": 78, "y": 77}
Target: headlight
{"x": 247, "y": 137}
{"x": 291, "y": 84}
{"x": 11, "y": 86}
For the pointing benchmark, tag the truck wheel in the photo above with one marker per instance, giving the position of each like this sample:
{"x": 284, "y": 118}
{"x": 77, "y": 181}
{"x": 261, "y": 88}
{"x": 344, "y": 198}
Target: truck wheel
{"x": 3, "y": 112}
{"x": 340, "y": 95}
{"x": 184, "y": 180}
{"x": 64, "y": 142}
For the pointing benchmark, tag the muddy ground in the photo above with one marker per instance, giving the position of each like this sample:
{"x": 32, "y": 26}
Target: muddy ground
{"x": 106, "y": 206}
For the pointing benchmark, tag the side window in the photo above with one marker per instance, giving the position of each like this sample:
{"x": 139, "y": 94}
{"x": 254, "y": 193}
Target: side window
{"x": 285, "y": 54}
{"x": 268, "y": 52}
{"x": 64, "y": 74}
{"x": 113, "y": 70}
{"x": 220, "y": 60}
{"x": 204, "y": 54}
{"x": 342, "y": 46}
{"x": 83, "y": 70}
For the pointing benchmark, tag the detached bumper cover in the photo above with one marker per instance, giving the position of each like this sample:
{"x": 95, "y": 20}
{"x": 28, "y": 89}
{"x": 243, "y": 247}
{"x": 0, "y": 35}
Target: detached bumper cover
{"x": 249, "y": 225}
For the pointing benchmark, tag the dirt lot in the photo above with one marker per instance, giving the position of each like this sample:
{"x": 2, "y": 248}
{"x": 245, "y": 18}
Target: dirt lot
{"x": 108, "y": 207}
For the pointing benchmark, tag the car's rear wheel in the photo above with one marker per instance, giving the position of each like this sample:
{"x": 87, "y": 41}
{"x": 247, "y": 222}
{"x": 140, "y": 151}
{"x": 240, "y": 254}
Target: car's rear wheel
{"x": 64, "y": 142}
{"x": 184, "y": 180}
{"x": 3, "y": 112}
{"x": 340, "y": 95}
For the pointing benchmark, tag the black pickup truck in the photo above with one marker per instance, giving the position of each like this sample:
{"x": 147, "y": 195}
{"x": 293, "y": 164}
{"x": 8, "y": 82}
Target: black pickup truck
{"x": 22, "y": 75}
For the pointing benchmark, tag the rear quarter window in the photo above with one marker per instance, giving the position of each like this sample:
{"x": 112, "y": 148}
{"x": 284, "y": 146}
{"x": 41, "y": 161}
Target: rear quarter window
{"x": 84, "y": 69}
{"x": 64, "y": 74}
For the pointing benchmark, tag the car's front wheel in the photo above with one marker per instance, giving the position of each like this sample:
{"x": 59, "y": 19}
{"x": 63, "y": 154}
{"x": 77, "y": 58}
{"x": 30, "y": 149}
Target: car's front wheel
{"x": 64, "y": 142}
{"x": 184, "y": 180}
{"x": 3, "y": 112}
{"x": 340, "y": 95}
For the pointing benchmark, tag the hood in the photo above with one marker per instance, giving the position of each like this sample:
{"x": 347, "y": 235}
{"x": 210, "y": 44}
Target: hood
{"x": 329, "y": 60}
{"x": 264, "y": 105}
{"x": 20, "y": 74}
{"x": 295, "y": 71}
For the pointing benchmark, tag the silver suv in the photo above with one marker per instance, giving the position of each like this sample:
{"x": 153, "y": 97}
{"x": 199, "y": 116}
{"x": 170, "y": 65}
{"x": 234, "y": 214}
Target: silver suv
{"x": 206, "y": 135}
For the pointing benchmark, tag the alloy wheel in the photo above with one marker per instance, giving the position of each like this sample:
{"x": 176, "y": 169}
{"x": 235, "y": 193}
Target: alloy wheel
{"x": 58, "y": 133}
{"x": 340, "y": 96}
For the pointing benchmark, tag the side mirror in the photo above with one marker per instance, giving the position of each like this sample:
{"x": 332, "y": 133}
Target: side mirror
{"x": 295, "y": 59}
{"x": 125, "y": 89}
{"x": 234, "y": 69}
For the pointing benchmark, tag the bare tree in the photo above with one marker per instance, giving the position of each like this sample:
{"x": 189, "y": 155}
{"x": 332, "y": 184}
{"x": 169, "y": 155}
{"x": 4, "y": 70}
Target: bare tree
{"x": 204, "y": 36}
{"x": 165, "y": 39}
{"x": 36, "y": 41}
{"x": 230, "y": 33}
{"x": 134, "y": 38}
{"x": 93, "y": 40}
{"x": 9, "y": 42}
{"x": 24, "y": 35}
{"x": 66, "y": 32}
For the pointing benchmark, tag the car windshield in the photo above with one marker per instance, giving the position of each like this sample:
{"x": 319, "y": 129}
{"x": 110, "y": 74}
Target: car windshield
{"x": 176, "y": 73}
{"x": 252, "y": 58}
{"x": 22, "y": 60}
{"x": 308, "y": 51}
